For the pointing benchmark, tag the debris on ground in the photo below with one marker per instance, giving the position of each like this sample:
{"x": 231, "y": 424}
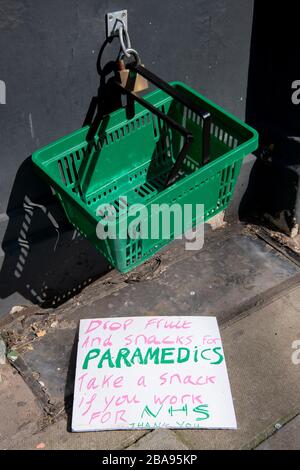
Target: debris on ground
{"x": 40, "y": 333}
{"x": 41, "y": 445}
{"x": 16, "y": 309}
{"x": 12, "y": 355}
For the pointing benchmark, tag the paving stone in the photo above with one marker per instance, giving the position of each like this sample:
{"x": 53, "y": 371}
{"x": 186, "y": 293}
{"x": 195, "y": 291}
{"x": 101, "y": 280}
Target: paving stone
{"x": 20, "y": 412}
{"x": 265, "y": 383}
{"x": 160, "y": 439}
{"x": 58, "y": 437}
{"x": 287, "y": 438}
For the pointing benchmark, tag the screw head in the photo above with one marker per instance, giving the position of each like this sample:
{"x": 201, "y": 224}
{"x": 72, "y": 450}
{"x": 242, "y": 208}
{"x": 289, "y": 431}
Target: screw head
{"x": 110, "y": 17}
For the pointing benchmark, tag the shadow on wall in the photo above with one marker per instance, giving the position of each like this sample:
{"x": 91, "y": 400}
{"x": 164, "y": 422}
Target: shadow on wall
{"x": 273, "y": 184}
{"x": 46, "y": 260}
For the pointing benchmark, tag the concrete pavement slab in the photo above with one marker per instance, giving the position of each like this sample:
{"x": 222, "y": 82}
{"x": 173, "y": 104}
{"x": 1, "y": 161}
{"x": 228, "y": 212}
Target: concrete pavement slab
{"x": 286, "y": 438}
{"x": 265, "y": 383}
{"x": 20, "y": 412}
{"x": 159, "y": 439}
{"x": 241, "y": 275}
{"x": 57, "y": 437}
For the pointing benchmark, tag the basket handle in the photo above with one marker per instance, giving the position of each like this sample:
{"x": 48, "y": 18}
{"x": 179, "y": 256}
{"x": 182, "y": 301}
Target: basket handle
{"x": 188, "y": 137}
{"x": 179, "y": 96}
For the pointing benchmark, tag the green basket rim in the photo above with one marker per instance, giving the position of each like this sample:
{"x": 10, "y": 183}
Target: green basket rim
{"x": 240, "y": 151}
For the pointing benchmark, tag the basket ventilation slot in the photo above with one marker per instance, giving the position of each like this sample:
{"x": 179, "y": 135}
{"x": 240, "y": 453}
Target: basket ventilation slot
{"x": 223, "y": 135}
{"x": 150, "y": 187}
{"x": 133, "y": 251}
{"x": 227, "y": 180}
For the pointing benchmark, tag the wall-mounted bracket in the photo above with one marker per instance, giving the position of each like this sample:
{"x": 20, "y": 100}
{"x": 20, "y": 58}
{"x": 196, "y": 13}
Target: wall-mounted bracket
{"x": 113, "y": 22}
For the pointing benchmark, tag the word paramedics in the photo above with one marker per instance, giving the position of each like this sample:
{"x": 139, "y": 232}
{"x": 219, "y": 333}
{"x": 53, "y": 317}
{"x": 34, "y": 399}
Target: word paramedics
{"x": 128, "y": 358}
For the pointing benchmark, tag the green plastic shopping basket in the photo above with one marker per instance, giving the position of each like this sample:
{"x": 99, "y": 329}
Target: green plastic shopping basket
{"x": 177, "y": 147}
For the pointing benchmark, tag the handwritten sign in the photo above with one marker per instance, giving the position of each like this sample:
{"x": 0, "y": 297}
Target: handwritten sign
{"x": 151, "y": 372}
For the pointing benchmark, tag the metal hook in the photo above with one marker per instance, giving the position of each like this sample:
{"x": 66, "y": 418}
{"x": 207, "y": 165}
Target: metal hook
{"x": 123, "y": 32}
{"x": 117, "y": 26}
{"x": 135, "y": 54}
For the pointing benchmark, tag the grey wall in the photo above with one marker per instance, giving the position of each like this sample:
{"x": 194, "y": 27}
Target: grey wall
{"x": 48, "y": 61}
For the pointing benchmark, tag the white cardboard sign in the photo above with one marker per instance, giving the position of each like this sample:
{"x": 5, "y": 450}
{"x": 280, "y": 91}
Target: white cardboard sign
{"x": 151, "y": 372}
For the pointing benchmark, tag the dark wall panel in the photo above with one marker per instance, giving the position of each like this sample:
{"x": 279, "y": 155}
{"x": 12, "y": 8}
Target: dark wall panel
{"x": 48, "y": 61}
